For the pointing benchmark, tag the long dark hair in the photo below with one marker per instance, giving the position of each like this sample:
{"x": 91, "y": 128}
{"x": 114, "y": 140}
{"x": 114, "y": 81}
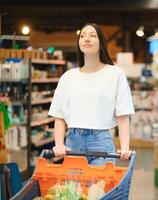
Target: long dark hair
{"x": 104, "y": 56}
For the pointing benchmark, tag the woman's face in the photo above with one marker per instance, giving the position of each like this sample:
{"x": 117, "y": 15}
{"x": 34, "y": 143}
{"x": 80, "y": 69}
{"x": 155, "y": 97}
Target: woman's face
{"x": 89, "y": 41}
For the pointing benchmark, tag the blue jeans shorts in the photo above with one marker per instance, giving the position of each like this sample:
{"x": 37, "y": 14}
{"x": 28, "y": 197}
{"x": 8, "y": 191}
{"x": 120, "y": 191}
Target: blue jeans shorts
{"x": 80, "y": 140}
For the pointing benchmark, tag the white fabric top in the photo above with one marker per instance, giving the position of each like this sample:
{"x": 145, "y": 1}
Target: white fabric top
{"x": 92, "y": 100}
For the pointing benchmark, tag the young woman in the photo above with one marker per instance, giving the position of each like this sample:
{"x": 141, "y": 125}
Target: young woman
{"x": 90, "y": 100}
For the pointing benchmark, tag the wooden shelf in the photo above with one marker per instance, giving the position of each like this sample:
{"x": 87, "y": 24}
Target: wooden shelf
{"x": 46, "y": 80}
{"x": 41, "y": 122}
{"x": 41, "y": 101}
{"x": 18, "y": 124}
{"x": 43, "y": 61}
{"x": 43, "y": 142}
{"x": 50, "y": 130}
{"x": 14, "y": 80}
{"x": 16, "y": 103}
{"x": 136, "y": 143}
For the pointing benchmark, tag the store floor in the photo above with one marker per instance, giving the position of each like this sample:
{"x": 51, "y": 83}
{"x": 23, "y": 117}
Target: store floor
{"x": 142, "y": 187}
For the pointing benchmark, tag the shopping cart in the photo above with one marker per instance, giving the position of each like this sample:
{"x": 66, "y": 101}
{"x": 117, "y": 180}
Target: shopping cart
{"x": 75, "y": 168}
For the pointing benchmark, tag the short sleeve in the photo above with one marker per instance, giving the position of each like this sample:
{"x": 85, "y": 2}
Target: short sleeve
{"x": 55, "y": 109}
{"x": 124, "y": 103}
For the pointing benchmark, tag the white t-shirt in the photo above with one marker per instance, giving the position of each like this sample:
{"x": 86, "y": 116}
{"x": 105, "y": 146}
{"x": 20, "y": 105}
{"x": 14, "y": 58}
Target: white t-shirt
{"x": 92, "y": 100}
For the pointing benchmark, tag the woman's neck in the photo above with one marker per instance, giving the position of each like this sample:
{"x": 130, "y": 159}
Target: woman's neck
{"x": 92, "y": 63}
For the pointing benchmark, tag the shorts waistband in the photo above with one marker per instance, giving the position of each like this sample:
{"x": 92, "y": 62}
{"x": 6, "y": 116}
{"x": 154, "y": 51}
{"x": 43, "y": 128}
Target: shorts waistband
{"x": 88, "y": 131}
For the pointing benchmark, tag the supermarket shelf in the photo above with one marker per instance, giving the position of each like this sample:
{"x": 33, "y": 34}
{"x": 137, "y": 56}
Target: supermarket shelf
{"x": 50, "y": 130}
{"x": 15, "y": 155}
{"x": 43, "y": 142}
{"x": 41, "y": 101}
{"x": 41, "y": 122}
{"x": 45, "y": 61}
{"x": 15, "y": 149}
{"x": 14, "y": 80}
{"x": 16, "y": 103}
{"x": 46, "y": 80}
{"x": 136, "y": 143}
{"x": 18, "y": 124}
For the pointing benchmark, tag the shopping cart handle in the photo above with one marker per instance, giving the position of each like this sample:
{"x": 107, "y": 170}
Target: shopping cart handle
{"x": 48, "y": 154}
{"x": 94, "y": 154}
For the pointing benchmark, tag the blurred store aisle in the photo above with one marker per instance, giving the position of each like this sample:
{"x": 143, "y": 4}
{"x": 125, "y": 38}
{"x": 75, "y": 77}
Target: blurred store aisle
{"x": 142, "y": 187}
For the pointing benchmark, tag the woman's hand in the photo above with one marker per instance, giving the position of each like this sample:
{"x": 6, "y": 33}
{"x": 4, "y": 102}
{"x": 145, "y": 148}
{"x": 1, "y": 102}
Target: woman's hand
{"x": 60, "y": 150}
{"x": 125, "y": 154}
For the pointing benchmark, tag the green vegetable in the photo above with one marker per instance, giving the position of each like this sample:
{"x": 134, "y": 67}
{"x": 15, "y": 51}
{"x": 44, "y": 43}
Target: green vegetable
{"x": 69, "y": 193}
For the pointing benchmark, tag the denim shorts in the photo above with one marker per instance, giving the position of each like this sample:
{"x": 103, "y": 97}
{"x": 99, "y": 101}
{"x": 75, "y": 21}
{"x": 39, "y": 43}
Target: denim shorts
{"x": 80, "y": 140}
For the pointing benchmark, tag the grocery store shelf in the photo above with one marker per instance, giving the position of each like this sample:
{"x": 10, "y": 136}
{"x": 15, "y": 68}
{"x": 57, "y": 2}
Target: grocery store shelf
{"x": 137, "y": 143}
{"x": 45, "y": 61}
{"x": 13, "y": 80}
{"x": 46, "y": 80}
{"x": 16, "y": 103}
{"x": 18, "y": 124}
{"x": 41, "y": 122}
{"x": 43, "y": 141}
{"x": 10, "y": 102}
{"x": 41, "y": 101}
{"x": 50, "y": 130}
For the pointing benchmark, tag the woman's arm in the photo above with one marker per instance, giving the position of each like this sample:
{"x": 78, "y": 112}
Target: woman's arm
{"x": 123, "y": 126}
{"x": 59, "y": 131}
{"x": 59, "y": 134}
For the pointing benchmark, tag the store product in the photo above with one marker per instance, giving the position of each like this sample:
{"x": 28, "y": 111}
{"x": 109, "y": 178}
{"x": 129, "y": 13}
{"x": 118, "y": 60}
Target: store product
{"x": 14, "y": 91}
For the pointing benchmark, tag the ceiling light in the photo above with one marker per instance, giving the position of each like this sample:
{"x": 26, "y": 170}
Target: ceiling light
{"x": 78, "y": 32}
{"x": 140, "y": 31}
{"x": 25, "y": 30}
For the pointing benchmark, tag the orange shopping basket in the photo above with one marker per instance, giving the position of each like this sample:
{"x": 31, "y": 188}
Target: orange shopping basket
{"x": 75, "y": 168}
